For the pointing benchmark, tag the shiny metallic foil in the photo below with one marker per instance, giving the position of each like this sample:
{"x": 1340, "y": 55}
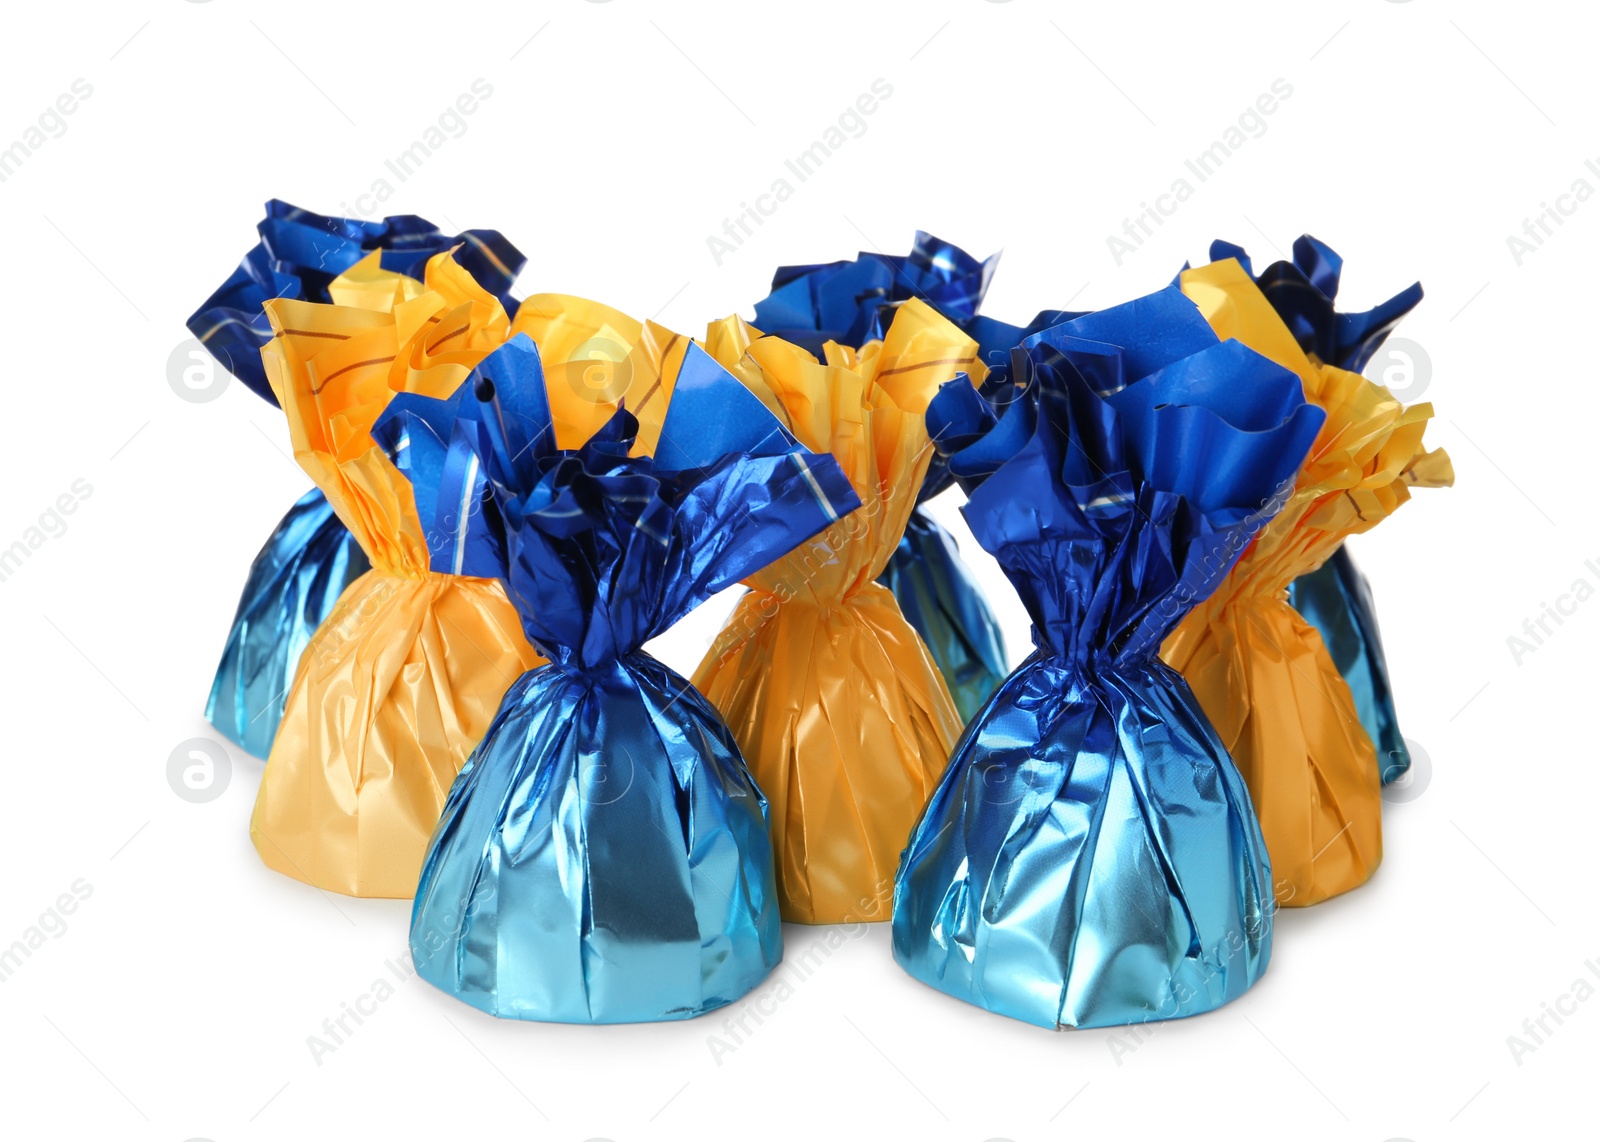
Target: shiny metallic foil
{"x": 1091, "y": 857}
{"x": 852, "y": 303}
{"x": 310, "y": 557}
{"x": 401, "y": 681}
{"x": 1336, "y": 599}
{"x": 841, "y": 713}
{"x": 1260, "y": 671}
{"x": 294, "y": 584}
{"x": 605, "y": 856}
{"x": 940, "y": 597}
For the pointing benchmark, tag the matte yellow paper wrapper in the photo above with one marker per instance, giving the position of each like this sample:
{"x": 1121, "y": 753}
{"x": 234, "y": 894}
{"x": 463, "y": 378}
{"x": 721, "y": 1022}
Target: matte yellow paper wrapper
{"x": 836, "y": 703}
{"x": 1260, "y": 671}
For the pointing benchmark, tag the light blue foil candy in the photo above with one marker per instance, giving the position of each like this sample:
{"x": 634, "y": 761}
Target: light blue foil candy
{"x": 1091, "y": 856}
{"x": 940, "y": 597}
{"x": 308, "y": 561}
{"x": 604, "y": 855}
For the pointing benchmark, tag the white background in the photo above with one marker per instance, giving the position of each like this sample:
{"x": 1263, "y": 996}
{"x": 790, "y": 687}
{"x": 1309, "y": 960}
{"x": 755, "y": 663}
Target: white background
{"x": 178, "y": 1001}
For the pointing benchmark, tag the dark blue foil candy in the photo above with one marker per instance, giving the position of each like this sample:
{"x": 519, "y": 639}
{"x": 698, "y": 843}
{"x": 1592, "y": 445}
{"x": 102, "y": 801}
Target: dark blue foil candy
{"x": 1091, "y": 856}
{"x": 604, "y": 855}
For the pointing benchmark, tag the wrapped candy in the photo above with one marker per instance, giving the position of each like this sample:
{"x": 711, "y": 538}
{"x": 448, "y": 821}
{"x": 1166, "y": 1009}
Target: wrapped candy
{"x": 597, "y": 360}
{"x": 1261, "y": 672}
{"x": 399, "y": 683}
{"x": 852, "y": 303}
{"x": 604, "y": 856}
{"x": 310, "y": 557}
{"x": 939, "y": 595}
{"x": 1090, "y": 857}
{"x": 842, "y": 715}
{"x": 294, "y": 583}
{"x": 1336, "y": 598}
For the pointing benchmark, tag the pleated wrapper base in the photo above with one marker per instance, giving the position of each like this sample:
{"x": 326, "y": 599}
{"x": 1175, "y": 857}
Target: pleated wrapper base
{"x": 392, "y": 694}
{"x": 605, "y": 855}
{"x": 294, "y": 584}
{"x": 399, "y": 684}
{"x": 1259, "y": 669}
{"x": 1336, "y": 598}
{"x": 586, "y": 871}
{"x": 842, "y": 714}
{"x": 1091, "y": 857}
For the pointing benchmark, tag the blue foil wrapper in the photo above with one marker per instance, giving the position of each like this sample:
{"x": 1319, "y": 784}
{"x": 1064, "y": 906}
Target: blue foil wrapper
{"x": 940, "y": 597}
{"x": 1336, "y": 598}
{"x": 294, "y": 582}
{"x": 310, "y": 557}
{"x": 1091, "y": 856}
{"x": 604, "y": 855}
{"x": 853, "y": 302}
{"x": 300, "y": 253}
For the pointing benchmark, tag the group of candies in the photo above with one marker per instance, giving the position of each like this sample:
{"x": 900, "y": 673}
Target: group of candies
{"x": 440, "y": 648}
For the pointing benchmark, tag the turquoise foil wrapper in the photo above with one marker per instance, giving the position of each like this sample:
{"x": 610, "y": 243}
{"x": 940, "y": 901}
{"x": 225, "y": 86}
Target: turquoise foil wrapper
{"x": 1091, "y": 856}
{"x": 604, "y": 855}
{"x": 1336, "y": 598}
{"x": 293, "y": 585}
{"x": 310, "y": 557}
{"x": 940, "y": 597}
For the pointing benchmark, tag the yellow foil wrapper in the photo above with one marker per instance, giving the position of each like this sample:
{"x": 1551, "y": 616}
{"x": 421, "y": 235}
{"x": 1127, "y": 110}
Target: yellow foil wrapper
{"x": 836, "y": 703}
{"x": 1260, "y": 671}
{"x": 596, "y": 358}
{"x": 398, "y": 685}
